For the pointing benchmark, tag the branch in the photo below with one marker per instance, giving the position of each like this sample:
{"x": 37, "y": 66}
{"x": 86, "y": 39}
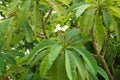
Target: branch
{"x": 48, "y": 15}
{"x": 106, "y": 68}
{"x": 106, "y": 43}
{"x": 43, "y": 26}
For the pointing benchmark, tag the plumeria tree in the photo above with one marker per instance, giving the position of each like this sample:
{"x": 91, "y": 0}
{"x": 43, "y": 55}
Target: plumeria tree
{"x": 59, "y": 39}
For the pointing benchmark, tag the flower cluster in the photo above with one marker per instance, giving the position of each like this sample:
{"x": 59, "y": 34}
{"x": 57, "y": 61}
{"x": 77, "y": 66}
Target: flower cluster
{"x": 58, "y": 28}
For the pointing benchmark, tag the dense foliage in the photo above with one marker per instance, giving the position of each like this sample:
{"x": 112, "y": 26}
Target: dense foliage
{"x": 59, "y": 39}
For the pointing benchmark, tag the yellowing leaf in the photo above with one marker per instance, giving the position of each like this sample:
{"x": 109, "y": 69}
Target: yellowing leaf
{"x": 115, "y": 11}
{"x": 99, "y": 34}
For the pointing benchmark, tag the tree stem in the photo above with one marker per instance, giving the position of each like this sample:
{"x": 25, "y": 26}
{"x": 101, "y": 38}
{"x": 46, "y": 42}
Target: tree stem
{"x": 43, "y": 26}
{"x": 106, "y": 67}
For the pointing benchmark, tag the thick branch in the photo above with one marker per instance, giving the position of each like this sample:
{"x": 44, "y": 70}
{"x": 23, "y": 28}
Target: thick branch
{"x": 106, "y": 68}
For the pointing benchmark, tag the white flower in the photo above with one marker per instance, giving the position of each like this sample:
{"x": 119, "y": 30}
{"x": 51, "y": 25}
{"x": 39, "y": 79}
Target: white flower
{"x": 27, "y": 52}
{"x": 1, "y": 17}
{"x": 55, "y": 30}
{"x": 58, "y": 28}
{"x": 64, "y": 28}
{"x": 0, "y": 2}
{"x": 53, "y": 12}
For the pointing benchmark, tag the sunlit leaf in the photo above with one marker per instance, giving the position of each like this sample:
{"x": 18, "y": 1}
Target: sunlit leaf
{"x": 115, "y": 11}
{"x": 23, "y": 12}
{"x": 58, "y": 8}
{"x": 86, "y": 22}
{"x": 68, "y": 66}
{"x": 48, "y": 61}
{"x": 80, "y": 10}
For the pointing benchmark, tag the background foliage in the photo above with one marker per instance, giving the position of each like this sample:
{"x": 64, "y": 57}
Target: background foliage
{"x": 59, "y": 39}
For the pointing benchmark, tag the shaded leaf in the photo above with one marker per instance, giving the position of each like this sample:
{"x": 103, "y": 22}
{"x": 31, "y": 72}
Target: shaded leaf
{"x": 28, "y": 32}
{"x": 39, "y": 47}
{"x": 9, "y": 59}
{"x": 103, "y": 73}
{"x": 106, "y": 18}
{"x": 89, "y": 59}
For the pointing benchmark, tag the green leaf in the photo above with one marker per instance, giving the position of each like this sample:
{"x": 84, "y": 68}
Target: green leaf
{"x": 72, "y": 64}
{"x": 36, "y": 18}
{"x": 71, "y": 8}
{"x": 28, "y": 32}
{"x": 48, "y": 61}
{"x": 22, "y": 13}
{"x": 80, "y": 10}
{"x": 39, "y": 57}
{"x": 5, "y": 26}
{"x": 71, "y": 34}
{"x": 2, "y": 66}
{"x": 103, "y": 73}
{"x": 54, "y": 70}
{"x": 12, "y": 7}
{"x": 89, "y": 59}
{"x": 86, "y": 22}
{"x": 9, "y": 37}
{"x": 80, "y": 66}
{"x": 115, "y": 11}
{"x": 58, "y": 8}
{"x": 61, "y": 68}
{"x": 68, "y": 66}
{"x": 9, "y": 59}
{"x": 106, "y": 18}
{"x": 39, "y": 47}
{"x": 99, "y": 33}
